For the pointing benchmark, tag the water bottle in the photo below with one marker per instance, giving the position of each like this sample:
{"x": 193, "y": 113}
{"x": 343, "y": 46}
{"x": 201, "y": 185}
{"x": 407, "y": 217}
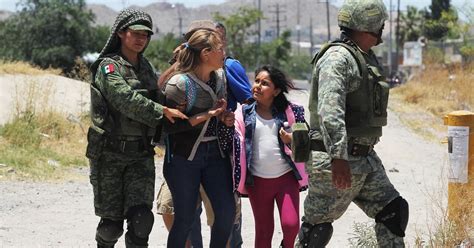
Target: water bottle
{"x": 286, "y": 127}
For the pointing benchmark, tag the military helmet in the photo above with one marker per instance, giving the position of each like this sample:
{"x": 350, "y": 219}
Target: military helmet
{"x": 362, "y": 15}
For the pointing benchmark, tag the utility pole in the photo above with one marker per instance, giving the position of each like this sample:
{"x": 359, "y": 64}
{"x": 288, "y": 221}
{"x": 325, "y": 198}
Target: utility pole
{"x": 390, "y": 41}
{"x": 298, "y": 27}
{"x": 397, "y": 35}
{"x": 278, "y": 19}
{"x": 277, "y": 13}
{"x": 180, "y": 23}
{"x": 311, "y": 41}
{"x": 327, "y": 18}
{"x": 180, "y": 18}
{"x": 259, "y": 25}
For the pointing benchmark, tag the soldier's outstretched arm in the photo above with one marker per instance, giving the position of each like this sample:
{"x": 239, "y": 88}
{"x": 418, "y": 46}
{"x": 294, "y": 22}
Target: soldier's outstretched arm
{"x": 120, "y": 95}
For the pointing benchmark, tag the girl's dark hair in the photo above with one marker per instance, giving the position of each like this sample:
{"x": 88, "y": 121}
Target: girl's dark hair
{"x": 282, "y": 82}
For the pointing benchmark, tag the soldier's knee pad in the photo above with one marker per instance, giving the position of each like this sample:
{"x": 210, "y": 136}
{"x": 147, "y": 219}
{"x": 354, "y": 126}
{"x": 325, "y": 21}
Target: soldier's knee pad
{"x": 109, "y": 230}
{"x": 394, "y": 216}
{"x": 140, "y": 221}
{"x": 315, "y": 236}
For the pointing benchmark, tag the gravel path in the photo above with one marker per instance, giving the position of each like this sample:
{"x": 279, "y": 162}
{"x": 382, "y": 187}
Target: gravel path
{"x": 39, "y": 214}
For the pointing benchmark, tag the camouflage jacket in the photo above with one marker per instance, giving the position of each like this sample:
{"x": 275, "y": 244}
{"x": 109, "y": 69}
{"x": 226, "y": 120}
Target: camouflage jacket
{"x": 335, "y": 75}
{"x": 131, "y": 94}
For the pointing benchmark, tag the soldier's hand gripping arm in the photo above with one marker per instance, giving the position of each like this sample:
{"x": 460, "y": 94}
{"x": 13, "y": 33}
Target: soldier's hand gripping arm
{"x": 172, "y": 113}
{"x": 131, "y": 102}
{"x": 333, "y": 87}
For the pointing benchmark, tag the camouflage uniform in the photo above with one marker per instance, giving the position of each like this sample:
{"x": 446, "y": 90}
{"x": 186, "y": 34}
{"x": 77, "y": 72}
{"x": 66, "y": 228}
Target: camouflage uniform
{"x": 125, "y": 115}
{"x": 337, "y": 75}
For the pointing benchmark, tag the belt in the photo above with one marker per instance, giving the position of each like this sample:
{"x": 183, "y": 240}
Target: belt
{"x": 127, "y": 146}
{"x": 352, "y": 148}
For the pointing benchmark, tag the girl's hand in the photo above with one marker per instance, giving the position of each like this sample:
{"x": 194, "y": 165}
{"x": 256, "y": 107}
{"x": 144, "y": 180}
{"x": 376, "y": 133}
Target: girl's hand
{"x": 285, "y": 136}
{"x": 219, "y": 108}
{"x": 228, "y": 118}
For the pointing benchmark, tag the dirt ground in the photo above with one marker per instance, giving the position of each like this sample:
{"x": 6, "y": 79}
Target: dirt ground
{"x": 40, "y": 214}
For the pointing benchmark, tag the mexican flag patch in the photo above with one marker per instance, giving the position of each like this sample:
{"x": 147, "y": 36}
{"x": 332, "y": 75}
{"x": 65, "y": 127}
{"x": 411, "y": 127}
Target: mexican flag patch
{"x": 108, "y": 69}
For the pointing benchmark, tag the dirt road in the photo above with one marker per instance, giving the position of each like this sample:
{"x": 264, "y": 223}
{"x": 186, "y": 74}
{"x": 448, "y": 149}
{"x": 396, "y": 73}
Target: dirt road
{"x": 36, "y": 214}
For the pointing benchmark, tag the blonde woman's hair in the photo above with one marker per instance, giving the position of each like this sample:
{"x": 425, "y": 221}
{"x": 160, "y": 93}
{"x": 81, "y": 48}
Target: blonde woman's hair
{"x": 189, "y": 56}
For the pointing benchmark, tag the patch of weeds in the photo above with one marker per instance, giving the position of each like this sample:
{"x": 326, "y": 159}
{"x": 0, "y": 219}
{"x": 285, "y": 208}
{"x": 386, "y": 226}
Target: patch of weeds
{"x": 363, "y": 236}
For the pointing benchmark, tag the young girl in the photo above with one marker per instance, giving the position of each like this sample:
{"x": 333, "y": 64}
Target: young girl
{"x": 263, "y": 168}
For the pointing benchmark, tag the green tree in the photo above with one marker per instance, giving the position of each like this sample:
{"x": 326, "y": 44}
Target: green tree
{"x": 410, "y": 25}
{"x": 441, "y": 21}
{"x": 298, "y": 66}
{"x": 239, "y": 29}
{"x": 48, "y": 33}
{"x": 277, "y": 51}
{"x": 160, "y": 51}
{"x": 467, "y": 50}
{"x": 100, "y": 34}
{"x": 438, "y": 7}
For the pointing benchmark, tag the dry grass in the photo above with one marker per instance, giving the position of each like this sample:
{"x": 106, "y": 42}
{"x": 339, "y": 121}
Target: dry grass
{"x": 41, "y": 143}
{"x": 20, "y": 67}
{"x": 42, "y": 146}
{"x": 423, "y": 101}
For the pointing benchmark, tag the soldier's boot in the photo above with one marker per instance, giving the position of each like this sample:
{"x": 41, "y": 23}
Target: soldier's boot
{"x": 108, "y": 232}
{"x": 140, "y": 222}
{"x": 314, "y": 236}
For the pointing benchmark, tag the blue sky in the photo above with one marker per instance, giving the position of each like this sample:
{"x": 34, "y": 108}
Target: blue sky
{"x": 119, "y": 4}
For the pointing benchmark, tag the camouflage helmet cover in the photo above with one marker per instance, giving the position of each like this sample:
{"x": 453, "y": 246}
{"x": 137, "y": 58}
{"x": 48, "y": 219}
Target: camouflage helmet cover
{"x": 362, "y": 15}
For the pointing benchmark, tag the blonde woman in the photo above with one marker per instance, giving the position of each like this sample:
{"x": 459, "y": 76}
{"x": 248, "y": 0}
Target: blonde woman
{"x": 196, "y": 148}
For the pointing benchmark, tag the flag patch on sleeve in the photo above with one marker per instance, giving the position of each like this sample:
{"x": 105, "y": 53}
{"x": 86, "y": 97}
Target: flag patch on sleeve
{"x": 108, "y": 69}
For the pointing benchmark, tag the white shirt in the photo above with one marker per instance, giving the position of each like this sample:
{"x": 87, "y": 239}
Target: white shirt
{"x": 267, "y": 161}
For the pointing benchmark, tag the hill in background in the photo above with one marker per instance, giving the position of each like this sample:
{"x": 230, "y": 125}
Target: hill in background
{"x": 166, "y": 16}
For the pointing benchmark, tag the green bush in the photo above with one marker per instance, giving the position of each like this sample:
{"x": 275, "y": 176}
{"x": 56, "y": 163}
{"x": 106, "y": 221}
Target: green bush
{"x": 22, "y": 131}
{"x": 49, "y": 33}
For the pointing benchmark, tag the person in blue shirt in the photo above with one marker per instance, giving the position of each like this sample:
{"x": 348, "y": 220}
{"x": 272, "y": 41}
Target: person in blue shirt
{"x": 239, "y": 89}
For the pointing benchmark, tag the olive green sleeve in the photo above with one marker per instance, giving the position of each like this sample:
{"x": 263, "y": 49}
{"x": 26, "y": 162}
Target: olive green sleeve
{"x": 130, "y": 102}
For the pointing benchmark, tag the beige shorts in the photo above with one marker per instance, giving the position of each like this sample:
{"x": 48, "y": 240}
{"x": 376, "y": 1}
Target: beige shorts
{"x": 164, "y": 202}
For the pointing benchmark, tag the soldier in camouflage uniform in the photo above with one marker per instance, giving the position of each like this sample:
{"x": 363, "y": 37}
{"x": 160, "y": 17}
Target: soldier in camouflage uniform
{"x": 348, "y": 107}
{"x": 125, "y": 114}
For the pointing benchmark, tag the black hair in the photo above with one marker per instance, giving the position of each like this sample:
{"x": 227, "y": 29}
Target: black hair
{"x": 220, "y": 25}
{"x": 282, "y": 82}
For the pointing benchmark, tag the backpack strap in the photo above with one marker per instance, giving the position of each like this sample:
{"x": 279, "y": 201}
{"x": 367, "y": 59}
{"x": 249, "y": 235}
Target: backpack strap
{"x": 190, "y": 92}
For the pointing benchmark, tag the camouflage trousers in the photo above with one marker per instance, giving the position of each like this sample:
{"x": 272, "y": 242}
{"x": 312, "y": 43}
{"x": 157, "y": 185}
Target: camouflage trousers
{"x": 120, "y": 182}
{"x": 370, "y": 191}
